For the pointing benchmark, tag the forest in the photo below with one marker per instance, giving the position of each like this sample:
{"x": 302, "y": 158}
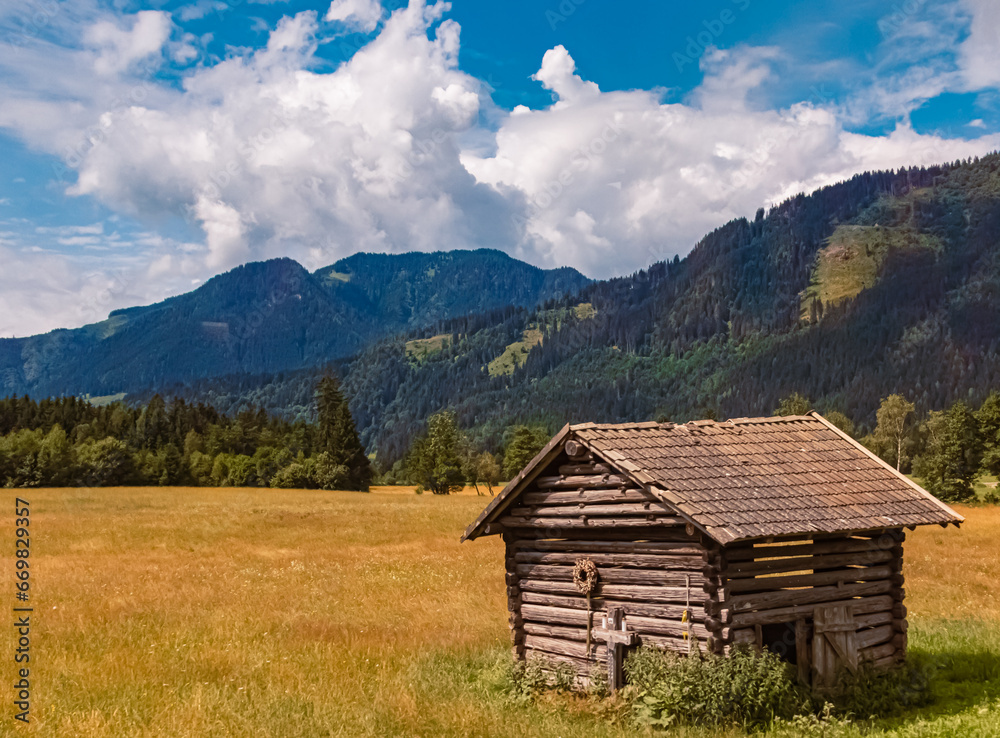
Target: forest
{"x": 888, "y": 283}
{"x": 70, "y": 442}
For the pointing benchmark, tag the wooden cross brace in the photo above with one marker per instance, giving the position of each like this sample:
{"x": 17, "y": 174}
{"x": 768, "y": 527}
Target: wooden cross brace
{"x": 617, "y": 639}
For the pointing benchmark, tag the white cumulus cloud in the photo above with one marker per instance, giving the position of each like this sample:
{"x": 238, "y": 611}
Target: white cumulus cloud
{"x": 121, "y": 45}
{"x": 268, "y": 152}
{"x": 362, "y": 15}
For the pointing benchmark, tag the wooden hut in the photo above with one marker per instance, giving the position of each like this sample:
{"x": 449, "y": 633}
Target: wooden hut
{"x": 779, "y": 532}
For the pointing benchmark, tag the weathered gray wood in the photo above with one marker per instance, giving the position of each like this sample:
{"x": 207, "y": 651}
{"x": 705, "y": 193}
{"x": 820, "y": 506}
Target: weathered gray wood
{"x": 592, "y": 481}
{"x": 659, "y": 610}
{"x": 610, "y": 575}
{"x": 693, "y": 564}
{"x": 787, "y": 614}
{"x": 874, "y": 636}
{"x": 791, "y": 597}
{"x": 510, "y": 521}
{"x": 877, "y": 652}
{"x": 673, "y": 644}
{"x": 590, "y": 497}
{"x": 575, "y": 649}
{"x": 627, "y": 592}
{"x": 532, "y": 627}
{"x": 874, "y": 619}
{"x": 678, "y": 548}
{"x": 803, "y": 653}
{"x": 550, "y": 662}
{"x": 834, "y": 644}
{"x": 617, "y": 640}
{"x": 764, "y": 584}
{"x": 638, "y": 509}
{"x": 569, "y": 470}
{"x": 558, "y": 616}
{"x": 738, "y": 569}
{"x": 575, "y": 448}
{"x": 514, "y": 621}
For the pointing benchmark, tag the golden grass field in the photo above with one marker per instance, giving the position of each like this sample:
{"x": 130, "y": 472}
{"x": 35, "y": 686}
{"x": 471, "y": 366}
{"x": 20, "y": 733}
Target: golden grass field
{"x": 240, "y": 612}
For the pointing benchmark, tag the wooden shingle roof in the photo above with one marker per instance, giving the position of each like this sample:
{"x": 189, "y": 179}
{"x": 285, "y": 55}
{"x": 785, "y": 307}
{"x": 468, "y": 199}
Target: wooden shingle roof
{"x": 754, "y": 477}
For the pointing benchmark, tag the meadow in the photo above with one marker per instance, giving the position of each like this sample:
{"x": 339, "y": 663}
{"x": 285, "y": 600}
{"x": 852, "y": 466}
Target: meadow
{"x": 245, "y": 612}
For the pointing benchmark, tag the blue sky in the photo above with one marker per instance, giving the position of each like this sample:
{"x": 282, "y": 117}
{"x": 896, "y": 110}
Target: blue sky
{"x": 147, "y": 146}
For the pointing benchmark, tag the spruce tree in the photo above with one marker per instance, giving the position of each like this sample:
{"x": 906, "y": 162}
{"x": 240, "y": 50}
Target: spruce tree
{"x": 337, "y": 435}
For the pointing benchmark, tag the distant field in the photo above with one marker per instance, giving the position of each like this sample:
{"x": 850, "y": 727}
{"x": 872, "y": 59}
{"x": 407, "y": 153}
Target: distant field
{"x": 237, "y": 612}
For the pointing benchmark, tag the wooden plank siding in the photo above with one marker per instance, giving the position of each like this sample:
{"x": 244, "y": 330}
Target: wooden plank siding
{"x": 649, "y": 564}
{"x": 774, "y": 583}
{"x": 712, "y": 523}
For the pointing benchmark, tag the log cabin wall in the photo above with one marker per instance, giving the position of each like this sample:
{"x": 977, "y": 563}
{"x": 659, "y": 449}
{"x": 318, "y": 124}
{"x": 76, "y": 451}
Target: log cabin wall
{"x": 649, "y": 563}
{"x": 771, "y": 584}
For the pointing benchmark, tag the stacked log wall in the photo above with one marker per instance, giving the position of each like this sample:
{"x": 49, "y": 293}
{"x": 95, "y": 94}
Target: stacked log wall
{"x": 766, "y": 583}
{"x": 649, "y": 564}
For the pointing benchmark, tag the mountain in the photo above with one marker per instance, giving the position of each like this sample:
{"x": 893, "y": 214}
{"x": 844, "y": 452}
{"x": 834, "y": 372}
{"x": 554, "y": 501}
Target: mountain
{"x": 889, "y": 282}
{"x": 273, "y": 316}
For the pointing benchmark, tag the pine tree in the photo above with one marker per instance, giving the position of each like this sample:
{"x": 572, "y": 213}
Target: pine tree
{"x": 338, "y": 436}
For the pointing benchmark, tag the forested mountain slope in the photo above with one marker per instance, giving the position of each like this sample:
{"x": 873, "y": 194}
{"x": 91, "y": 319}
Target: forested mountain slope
{"x": 889, "y": 282}
{"x": 272, "y": 316}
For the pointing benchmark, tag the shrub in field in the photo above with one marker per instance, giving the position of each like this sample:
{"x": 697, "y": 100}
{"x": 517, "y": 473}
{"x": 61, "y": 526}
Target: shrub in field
{"x": 293, "y": 476}
{"x": 522, "y": 681}
{"x": 747, "y": 688}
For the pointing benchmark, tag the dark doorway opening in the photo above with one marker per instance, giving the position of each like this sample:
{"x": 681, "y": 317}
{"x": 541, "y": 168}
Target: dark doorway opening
{"x": 779, "y": 639}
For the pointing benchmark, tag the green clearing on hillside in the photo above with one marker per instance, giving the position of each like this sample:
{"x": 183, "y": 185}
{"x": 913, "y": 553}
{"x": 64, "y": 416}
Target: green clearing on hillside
{"x": 422, "y": 348}
{"x": 851, "y": 262}
{"x": 334, "y": 276}
{"x": 854, "y": 254}
{"x": 103, "y": 400}
{"x": 514, "y": 356}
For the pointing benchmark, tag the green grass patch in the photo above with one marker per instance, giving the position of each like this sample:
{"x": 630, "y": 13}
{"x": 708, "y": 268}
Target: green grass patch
{"x": 852, "y": 259}
{"x": 515, "y": 354}
{"x": 421, "y": 349}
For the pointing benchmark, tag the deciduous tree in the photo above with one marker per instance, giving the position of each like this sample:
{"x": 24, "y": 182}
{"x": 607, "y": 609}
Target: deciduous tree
{"x": 893, "y": 422}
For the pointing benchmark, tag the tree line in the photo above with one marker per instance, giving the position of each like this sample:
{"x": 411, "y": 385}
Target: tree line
{"x": 70, "y": 442}
{"x": 444, "y": 459}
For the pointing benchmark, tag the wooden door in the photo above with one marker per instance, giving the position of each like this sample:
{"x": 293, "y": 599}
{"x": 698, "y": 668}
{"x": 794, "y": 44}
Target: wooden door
{"x": 834, "y": 644}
